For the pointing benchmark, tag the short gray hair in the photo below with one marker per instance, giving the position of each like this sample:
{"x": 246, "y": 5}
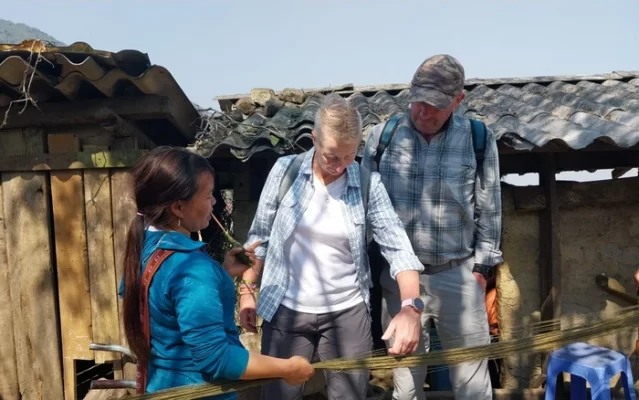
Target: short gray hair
{"x": 339, "y": 118}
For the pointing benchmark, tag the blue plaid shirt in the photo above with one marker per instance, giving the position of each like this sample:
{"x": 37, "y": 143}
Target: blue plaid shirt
{"x": 450, "y": 212}
{"x": 273, "y": 227}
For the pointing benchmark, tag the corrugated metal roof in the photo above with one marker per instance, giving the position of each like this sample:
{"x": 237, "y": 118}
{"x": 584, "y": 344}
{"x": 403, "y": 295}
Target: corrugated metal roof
{"x": 525, "y": 113}
{"x": 78, "y": 72}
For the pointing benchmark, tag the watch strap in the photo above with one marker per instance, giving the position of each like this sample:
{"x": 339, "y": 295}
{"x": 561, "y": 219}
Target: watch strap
{"x": 408, "y": 302}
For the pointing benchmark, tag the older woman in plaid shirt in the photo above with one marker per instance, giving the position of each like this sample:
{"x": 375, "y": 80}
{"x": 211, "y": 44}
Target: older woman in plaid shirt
{"x": 314, "y": 291}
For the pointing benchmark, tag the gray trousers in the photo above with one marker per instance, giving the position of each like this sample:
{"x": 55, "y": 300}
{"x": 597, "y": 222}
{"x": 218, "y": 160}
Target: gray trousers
{"x": 456, "y": 303}
{"x": 339, "y": 334}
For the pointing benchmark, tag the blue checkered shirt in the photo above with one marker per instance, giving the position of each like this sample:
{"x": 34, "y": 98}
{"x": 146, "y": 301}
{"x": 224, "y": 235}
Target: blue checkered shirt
{"x": 449, "y": 211}
{"x": 273, "y": 226}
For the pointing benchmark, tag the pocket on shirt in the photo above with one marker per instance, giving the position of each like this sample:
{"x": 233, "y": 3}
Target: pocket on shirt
{"x": 289, "y": 200}
{"x": 398, "y": 155}
{"x": 460, "y": 180}
{"x": 286, "y": 209}
{"x": 401, "y": 175}
{"x": 356, "y": 214}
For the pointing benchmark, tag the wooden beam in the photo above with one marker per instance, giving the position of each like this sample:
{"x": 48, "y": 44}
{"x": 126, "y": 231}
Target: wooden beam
{"x": 585, "y": 161}
{"x": 65, "y": 161}
{"x": 549, "y": 235}
{"x": 549, "y": 246}
{"x": 572, "y": 195}
{"x": 554, "y": 146}
{"x": 122, "y": 128}
{"x": 524, "y": 162}
{"x": 84, "y": 112}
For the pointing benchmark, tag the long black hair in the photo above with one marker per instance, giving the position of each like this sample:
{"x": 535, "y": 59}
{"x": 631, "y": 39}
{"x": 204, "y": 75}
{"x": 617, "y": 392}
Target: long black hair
{"x": 160, "y": 178}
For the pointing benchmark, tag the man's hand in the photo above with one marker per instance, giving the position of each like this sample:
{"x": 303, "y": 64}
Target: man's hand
{"x": 636, "y": 279}
{"x": 406, "y": 328}
{"x": 481, "y": 280}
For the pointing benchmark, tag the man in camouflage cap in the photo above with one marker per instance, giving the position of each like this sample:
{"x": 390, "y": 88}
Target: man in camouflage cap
{"x": 437, "y": 82}
{"x": 450, "y": 203}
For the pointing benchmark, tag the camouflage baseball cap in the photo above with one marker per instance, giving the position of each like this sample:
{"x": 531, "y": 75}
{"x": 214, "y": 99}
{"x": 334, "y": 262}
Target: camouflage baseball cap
{"x": 437, "y": 81}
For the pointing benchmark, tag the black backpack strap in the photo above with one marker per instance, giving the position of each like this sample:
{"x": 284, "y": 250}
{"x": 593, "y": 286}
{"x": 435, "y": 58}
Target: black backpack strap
{"x": 386, "y": 137}
{"x": 365, "y": 172}
{"x": 290, "y": 175}
{"x": 478, "y": 131}
{"x": 364, "y": 184}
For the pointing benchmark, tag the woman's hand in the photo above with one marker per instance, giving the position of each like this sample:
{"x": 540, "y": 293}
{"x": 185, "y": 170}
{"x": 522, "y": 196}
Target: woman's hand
{"x": 233, "y": 266}
{"x": 299, "y": 371}
{"x": 248, "y": 316}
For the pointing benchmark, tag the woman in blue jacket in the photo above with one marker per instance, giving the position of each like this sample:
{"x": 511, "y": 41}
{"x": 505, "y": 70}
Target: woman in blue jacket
{"x": 190, "y": 335}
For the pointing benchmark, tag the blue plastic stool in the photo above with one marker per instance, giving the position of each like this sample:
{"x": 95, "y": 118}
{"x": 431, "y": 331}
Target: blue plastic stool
{"x": 585, "y": 362}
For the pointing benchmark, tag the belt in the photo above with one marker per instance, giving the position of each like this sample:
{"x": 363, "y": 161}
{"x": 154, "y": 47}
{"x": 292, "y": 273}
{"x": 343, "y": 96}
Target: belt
{"x": 430, "y": 269}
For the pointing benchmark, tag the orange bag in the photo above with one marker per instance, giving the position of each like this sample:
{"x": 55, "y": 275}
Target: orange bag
{"x": 491, "y": 310}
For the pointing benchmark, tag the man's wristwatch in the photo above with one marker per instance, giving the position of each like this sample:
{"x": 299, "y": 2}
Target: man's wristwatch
{"x": 416, "y": 304}
{"x": 487, "y": 271}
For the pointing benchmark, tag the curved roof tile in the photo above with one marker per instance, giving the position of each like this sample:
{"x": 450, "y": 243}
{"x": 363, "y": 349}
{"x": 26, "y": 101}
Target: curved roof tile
{"x": 79, "y": 72}
{"x": 524, "y": 113}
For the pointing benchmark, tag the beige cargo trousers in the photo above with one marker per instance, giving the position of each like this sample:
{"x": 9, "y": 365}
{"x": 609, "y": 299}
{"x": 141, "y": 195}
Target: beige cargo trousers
{"x": 455, "y": 301}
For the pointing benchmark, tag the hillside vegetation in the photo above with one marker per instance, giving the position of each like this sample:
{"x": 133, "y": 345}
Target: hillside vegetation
{"x": 14, "y": 33}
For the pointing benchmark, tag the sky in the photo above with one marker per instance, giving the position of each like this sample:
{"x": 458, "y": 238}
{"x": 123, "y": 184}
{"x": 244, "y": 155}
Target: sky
{"x": 215, "y": 48}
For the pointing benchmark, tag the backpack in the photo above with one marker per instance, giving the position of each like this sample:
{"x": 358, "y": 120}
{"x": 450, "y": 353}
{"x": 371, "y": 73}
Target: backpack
{"x": 478, "y": 130}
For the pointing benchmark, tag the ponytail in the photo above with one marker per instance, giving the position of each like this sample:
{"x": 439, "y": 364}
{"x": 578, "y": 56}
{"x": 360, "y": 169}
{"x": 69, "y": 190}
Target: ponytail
{"x": 132, "y": 260}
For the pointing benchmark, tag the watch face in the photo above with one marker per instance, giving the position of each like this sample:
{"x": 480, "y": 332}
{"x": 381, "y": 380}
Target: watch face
{"x": 419, "y": 304}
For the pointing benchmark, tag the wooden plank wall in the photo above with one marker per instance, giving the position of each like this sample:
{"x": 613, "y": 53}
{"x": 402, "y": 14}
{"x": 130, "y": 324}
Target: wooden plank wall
{"x": 123, "y": 209}
{"x": 71, "y": 262}
{"x": 9, "y": 387}
{"x": 104, "y": 302}
{"x": 62, "y": 241}
{"x": 31, "y": 273}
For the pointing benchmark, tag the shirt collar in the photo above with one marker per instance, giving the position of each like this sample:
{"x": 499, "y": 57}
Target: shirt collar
{"x": 352, "y": 171}
{"x": 448, "y": 125}
{"x": 171, "y": 240}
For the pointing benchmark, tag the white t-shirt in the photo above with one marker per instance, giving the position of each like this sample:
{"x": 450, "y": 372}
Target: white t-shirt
{"x": 322, "y": 275}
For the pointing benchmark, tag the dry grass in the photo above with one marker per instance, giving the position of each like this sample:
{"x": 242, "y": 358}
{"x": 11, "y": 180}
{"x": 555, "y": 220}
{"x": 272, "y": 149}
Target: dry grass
{"x": 626, "y": 319}
{"x": 25, "y": 86}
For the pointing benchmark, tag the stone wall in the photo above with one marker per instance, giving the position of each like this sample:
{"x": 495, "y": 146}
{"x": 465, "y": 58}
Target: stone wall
{"x": 599, "y": 233}
{"x": 518, "y": 288}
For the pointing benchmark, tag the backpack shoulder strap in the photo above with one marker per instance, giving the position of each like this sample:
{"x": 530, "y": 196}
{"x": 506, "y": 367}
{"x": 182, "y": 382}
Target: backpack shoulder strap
{"x": 479, "y": 135}
{"x": 387, "y": 136}
{"x": 156, "y": 260}
{"x": 478, "y": 131}
{"x": 290, "y": 175}
{"x": 364, "y": 183}
{"x": 384, "y": 140}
